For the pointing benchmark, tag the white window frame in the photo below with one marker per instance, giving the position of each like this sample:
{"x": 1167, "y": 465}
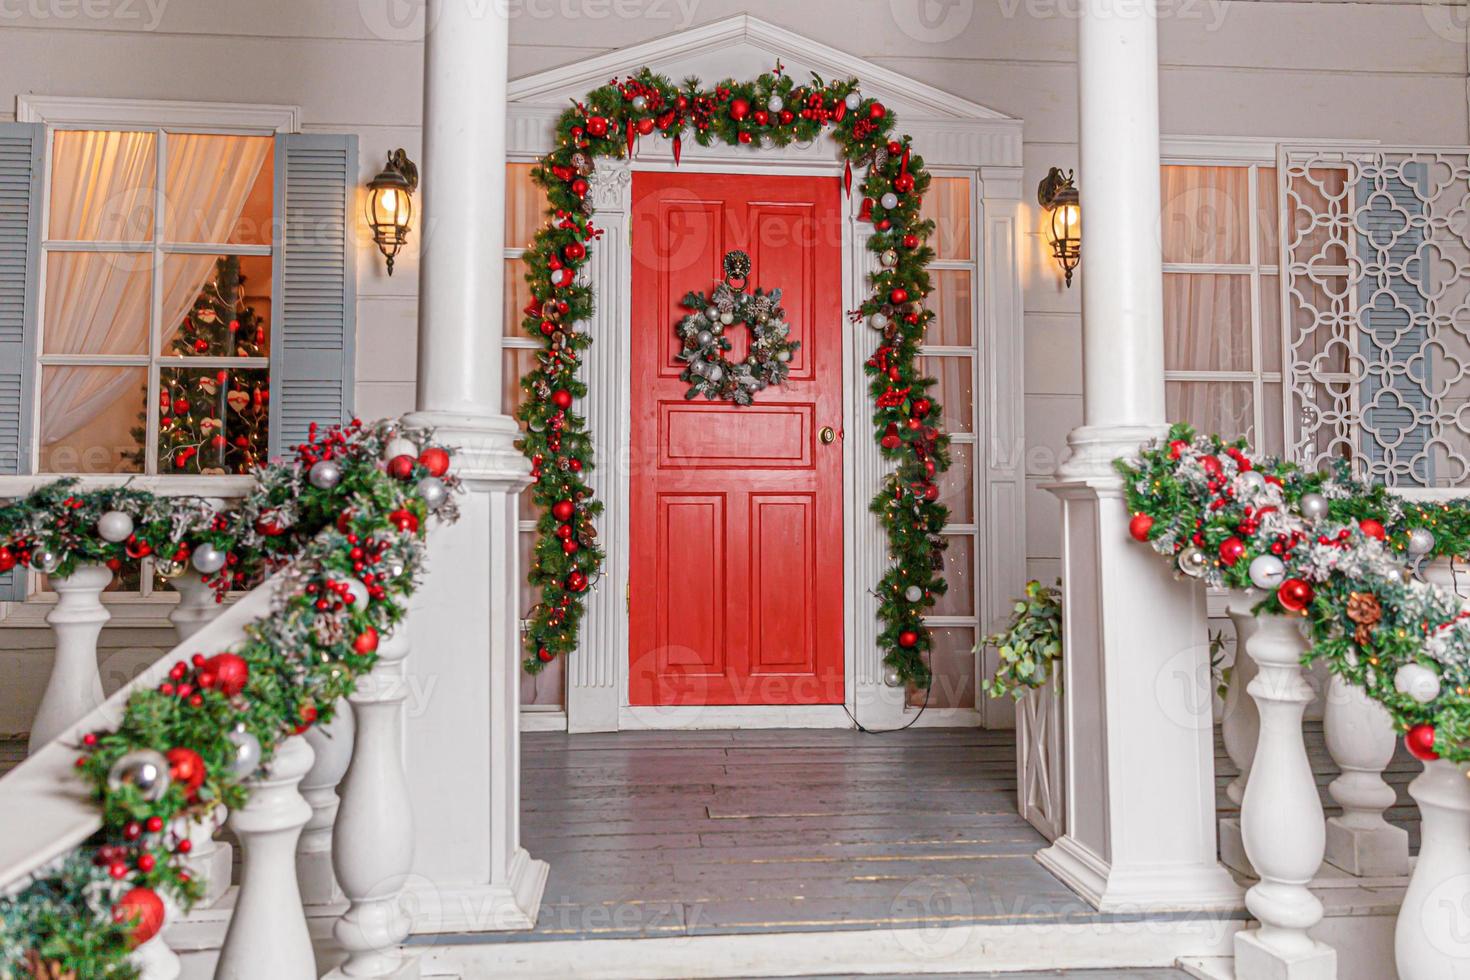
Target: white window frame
{"x": 81, "y": 112}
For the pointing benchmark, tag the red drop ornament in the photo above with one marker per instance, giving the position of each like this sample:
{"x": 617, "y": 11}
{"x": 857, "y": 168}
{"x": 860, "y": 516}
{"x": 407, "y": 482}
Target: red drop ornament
{"x": 1419, "y": 740}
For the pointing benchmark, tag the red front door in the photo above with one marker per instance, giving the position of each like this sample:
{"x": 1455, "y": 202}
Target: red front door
{"x": 735, "y": 575}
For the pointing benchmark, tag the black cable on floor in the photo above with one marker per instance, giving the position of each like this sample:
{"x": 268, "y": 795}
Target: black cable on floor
{"x": 889, "y": 731}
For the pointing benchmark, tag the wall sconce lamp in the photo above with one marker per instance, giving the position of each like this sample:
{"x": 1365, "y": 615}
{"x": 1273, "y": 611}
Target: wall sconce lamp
{"x": 390, "y": 204}
{"x": 1058, "y": 194}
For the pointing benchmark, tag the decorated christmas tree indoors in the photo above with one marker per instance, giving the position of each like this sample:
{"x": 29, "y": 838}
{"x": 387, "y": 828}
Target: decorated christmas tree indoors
{"x": 214, "y": 419}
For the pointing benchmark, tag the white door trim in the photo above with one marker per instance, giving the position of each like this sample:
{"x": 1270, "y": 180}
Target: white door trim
{"x": 950, "y": 134}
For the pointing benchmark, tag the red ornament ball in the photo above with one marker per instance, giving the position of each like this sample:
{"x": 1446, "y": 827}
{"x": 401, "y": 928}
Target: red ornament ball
{"x": 404, "y": 520}
{"x": 921, "y": 407}
{"x": 903, "y": 183}
{"x": 891, "y": 440}
{"x": 1231, "y": 550}
{"x": 185, "y": 767}
{"x": 225, "y": 673}
{"x": 366, "y": 642}
{"x": 739, "y": 109}
{"x": 907, "y": 638}
{"x": 876, "y": 110}
{"x": 307, "y": 714}
{"x": 1372, "y": 528}
{"x": 1294, "y": 594}
{"x": 401, "y": 467}
{"x": 561, "y": 398}
{"x": 562, "y": 510}
{"x": 545, "y": 656}
{"x": 1211, "y": 464}
{"x": 575, "y": 252}
{"x": 576, "y": 581}
{"x": 899, "y": 296}
{"x": 1140, "y": 526}
{"x": 7, "y": 559}
{"x": 564, "y": 531}
{"x": 910, "y": 241}
{"x": 569, "y": 546}
{"x": 1176, "y": 447}
{"x": 1419, "y": 740}
{"x": 597, "y": 126}
{"x": 435, "y": 460}
{"x": 144, "y": 909}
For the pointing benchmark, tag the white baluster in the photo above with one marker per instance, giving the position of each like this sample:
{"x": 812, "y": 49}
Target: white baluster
{"x": 1361, "y": 739}
{"x": 332, "y": 744}
{"x": 75, "y": 687}
{"x": 1240, "y": 726}
{"x": 1432, "y": 938}
{"x": 372, "y": 844}
{"x": 154, "y": 959}
{"x": 1281, "y": 819}
{"x": 210, "y": 861}
{"x": 267, "y": 935}
{"x": 197, "y": 606}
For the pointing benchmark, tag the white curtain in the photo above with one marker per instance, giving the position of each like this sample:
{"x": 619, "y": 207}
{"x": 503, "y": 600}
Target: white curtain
{"x": 98, "y": 302}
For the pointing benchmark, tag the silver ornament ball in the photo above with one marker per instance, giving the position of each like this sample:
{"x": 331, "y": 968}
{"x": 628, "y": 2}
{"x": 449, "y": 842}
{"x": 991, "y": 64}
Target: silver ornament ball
{"x": 432, "y": 489}
{"x": 247, "y": 752}
{"x": 1417, "y": 681}
{"x": 889, "y": 200}
{"x": 1253, "y": 480}
{"x": 888, "y": 259}
{"x": 1192, "y": 562}
{"x": 878, "y": 321}
{"x": 913, "y": 593}
{"x": 853, "y": 100}
{"x": 776, "y": 103}
{"x": 711, "y": 313}
{"x": 715, "y": 372}
{"x": 1267, "y": 571}
{"x": 143, "y": 769}
{"x": 1421, "y": 541}
{"x": 168, "y": 568}
{"x": 783, "y": 356}
{"x": 45, "y": 560}
{"x": 1313, "y": 506}
{"x": 207, "y": 559}
{"x": 325, "y": 474}
{"x": 891, "y": 677}
{"x": 727, "y": 318}
{"x": 703, "y": 338}
{"x": 639, "y": 102}
{"x": 115, "y": 526}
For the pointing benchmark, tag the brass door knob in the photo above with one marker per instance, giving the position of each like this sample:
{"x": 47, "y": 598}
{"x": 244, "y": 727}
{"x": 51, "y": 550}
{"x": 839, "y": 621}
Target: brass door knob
{"x": 827, "y": 435}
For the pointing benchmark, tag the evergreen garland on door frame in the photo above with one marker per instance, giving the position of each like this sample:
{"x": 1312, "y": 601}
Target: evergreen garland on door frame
{"x": 772, "y": 110}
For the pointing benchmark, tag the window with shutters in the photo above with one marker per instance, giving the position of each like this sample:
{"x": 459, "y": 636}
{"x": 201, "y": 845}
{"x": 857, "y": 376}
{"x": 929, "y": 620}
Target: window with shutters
{"x": 154, "y": 332}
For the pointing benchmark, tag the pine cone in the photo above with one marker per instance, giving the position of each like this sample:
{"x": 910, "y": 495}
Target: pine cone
{"x": 46, "y": 969}
{"x": 1364, "y": 609}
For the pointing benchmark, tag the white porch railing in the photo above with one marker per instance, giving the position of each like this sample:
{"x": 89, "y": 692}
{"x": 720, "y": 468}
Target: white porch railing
{"x": 290, "y": 831}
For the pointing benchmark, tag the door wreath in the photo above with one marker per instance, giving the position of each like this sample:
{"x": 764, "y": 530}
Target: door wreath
{"x": 771, "y": 110}
{"x": 708, "y": 371}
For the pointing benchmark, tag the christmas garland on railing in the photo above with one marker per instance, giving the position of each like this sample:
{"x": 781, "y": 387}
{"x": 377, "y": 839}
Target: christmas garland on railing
{"x": 1340, "y": 553}
{"x": 343, "y": 525}
{"x": 772, "y": 110}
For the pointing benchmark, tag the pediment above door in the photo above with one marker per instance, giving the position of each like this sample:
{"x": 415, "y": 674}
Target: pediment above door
{"x": 952, "y": 131}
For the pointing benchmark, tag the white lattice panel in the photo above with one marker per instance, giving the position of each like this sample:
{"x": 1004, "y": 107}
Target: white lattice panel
{"x": 1375, "y": 281}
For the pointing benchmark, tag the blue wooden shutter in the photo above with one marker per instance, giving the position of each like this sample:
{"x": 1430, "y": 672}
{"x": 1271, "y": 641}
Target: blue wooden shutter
{"x": 315, "y": 286}
{"x": 22, "y": 149}
{"x": 1390, "y": 297}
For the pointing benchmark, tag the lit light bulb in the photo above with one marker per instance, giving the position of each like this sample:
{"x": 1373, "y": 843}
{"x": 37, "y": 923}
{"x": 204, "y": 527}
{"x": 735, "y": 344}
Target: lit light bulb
{"x": 390, "y": 201}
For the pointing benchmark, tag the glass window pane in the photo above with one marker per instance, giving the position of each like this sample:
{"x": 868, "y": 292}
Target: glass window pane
{"x": 104, "y": 186}
{"x": 1205, "y": 214}
{"x": 97, "y": 302}
{"x": 957, "y": 484}
{"x": 1207, "y": 322}
{"x": 1267, "y": 216}
{"x": 92, "y": 419}
{"x": 516, "y": 361}
{"x": 1273, "y": 442}
{"x": 947, "y": 204}
{"x": 517, "y": 297}
{"x": 954, "y": 308}
{"x": 953, "y": 662}
{"x": 1271, "y": 323}
{"x": 959, "y": 572}
{"x": 212, "y": 420}
{"x": 218, "y": 189}
{"x": 955, "y": 390}
{"x": 216, "y": 306}
{"x": 1222, "y": 407}
{"x": 525, "y": 205}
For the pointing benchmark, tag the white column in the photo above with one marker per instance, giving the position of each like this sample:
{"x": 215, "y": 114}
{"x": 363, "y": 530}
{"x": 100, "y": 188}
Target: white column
{"x": 373, "y": 841}
{"x": 267, "y": 935}
{"x": 463, "y": 743}
{"x": 332, "y": 745}
{"x": 1240, "y": 726}
{"x": 210, "y": 861}
{"x": 1281, "y": 817}
{"x": 1432, "y": 937}
{"x": 197, "y": 606}
{"x": 1140, "y": 753}
{"x": 1361, "y": 740}
{"x": 75, "y": 687}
